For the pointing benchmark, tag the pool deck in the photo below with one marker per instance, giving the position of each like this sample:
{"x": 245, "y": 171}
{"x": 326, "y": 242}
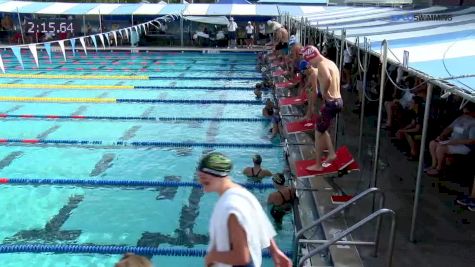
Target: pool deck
{"x": 445, "y": 232}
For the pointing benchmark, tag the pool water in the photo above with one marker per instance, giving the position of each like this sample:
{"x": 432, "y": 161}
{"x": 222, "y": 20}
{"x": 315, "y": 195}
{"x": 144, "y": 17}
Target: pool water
{"x": 163, "y": 217}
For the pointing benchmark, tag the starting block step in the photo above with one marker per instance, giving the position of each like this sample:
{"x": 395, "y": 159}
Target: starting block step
{"x": 276, "y": 64}
{"x": 279, "y": 73}
{"x": 343, "y": 164}
{"x": 283, "y": 84}
{"x": 289, "y": 101}
{"x": 302, "y": 126}
{"x": 338, "y": 200}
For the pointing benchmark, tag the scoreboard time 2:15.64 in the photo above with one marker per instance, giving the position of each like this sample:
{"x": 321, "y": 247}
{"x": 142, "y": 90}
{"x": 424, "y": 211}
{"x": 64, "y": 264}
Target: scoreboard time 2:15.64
{"x": 44, "y": 26}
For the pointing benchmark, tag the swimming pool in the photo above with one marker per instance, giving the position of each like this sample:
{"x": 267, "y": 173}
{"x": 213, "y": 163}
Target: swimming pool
{"x": 139, "y": 140}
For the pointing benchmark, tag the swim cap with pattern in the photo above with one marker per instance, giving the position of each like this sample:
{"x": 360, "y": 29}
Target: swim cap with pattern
{"x": 215, "y": 164}
{"x": 278, "y": 178}
{"x": 310, "y": 52}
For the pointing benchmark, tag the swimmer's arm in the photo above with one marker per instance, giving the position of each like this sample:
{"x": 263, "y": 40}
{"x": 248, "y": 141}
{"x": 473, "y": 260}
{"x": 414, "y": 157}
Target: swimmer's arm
{"x": 325, "y": 82}
{"x": 278, "y": 256}
{"x": 312, "y": 99}
{"x": 239, "y": 253}
{"x": 278, "y": 36}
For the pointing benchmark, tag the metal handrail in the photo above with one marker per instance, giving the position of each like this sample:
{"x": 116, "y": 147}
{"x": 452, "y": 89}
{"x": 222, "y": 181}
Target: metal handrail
{"x": 376, "y": 214}
{"x": 368, "y": 191}
{"x": 347, "y": 204}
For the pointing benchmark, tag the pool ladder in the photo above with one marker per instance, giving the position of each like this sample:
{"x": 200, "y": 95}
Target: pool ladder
{"x": 337, "y": 239}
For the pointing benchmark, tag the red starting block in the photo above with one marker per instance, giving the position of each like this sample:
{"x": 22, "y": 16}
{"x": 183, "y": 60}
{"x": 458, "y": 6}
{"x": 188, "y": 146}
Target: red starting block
{"x": 343, "y": 164}
{"x": 276, "y": 64}
{"x": 279, "y": 73}
{"x": 283, "y": 84}
{"x": 337, "y": 200}
{"x": 302, "y": 126}
{"x": 296, "y": 79}
{"x": 289, "y": 101}
{"x": 297, "y": 100}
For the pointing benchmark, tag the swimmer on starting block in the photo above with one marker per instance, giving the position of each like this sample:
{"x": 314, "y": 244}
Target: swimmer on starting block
{"x": 310, "y": 86}
{"x": 328, "y": 79}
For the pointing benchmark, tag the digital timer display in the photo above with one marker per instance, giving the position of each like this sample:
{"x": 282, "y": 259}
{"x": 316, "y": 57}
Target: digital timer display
{"x": 43, "y": 26}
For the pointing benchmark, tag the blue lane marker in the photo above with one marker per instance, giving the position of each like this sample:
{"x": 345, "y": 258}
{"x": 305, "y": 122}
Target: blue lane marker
{"x": 138, "y": 143}
{"x": 101, "y": 249}
{"x": 189, "y": 101}
{"x": 141, "y": 183}
{"x": 15, "y": 116}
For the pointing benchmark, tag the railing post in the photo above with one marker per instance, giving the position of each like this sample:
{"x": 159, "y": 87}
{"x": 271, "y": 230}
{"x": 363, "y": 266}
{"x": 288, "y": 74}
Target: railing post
{"x": 374, "y": 178}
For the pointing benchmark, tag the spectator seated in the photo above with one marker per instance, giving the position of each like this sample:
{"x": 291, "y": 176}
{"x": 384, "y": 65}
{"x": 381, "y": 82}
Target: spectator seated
{"x": 457, "y": 139}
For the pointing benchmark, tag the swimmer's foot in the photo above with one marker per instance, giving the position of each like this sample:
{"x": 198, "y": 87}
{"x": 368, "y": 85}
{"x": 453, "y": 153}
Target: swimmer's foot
{"x": 315, "y": 168}
{"x": 329, "y": 160}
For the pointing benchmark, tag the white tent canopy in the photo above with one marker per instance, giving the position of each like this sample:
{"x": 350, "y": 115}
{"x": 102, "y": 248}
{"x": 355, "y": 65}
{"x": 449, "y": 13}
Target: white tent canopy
{"x": 219, "y": 20}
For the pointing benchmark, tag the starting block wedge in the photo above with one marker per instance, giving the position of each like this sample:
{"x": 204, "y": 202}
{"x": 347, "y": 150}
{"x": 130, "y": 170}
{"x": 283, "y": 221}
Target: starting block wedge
{"x": 276, "y": 64}
{"x": 289, "y": 101}
{"x": 337, "y": 200}
{"x": 343, "y": 164}
{"x": 279, "y": 73}
{"x": 302, "y": 126}
{"x": 284, "y": 85}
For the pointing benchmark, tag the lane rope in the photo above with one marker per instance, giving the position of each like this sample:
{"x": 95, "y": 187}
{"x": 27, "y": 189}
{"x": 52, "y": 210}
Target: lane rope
{"x": 70, "y": 76}
{"x": 101, "y": 249}
{"x": 135, "y": 143}
{"x": 56, "y": 99}
{"x": 118, "y": 77}
{"x": 75, "y": 117}
{"x": 123, "y": 100}
{"x": 141, "y": 183}
{"x": 65, "y": 86}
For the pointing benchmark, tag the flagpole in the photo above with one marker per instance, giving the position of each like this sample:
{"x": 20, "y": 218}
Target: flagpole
{"x": 100, "y": 20}
{"x": 21, "y": 27}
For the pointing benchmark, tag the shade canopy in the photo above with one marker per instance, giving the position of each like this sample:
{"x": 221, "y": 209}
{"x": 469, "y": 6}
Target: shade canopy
{"x": 441, "y": 46}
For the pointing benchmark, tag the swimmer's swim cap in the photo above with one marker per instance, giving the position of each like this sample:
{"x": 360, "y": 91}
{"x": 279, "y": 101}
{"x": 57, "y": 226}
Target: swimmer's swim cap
{"x": 303, "y": 65}
{"x": 257, "y": 159}
{"x": 215, "y": 164}
{"x": 278, "y": 178}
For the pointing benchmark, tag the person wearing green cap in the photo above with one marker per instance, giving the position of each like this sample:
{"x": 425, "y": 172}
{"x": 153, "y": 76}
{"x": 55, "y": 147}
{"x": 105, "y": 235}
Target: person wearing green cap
{"x": 239, "y": 228}
{"x": 256, "y": 171}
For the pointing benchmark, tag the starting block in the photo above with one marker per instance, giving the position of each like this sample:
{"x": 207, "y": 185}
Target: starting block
{"x": 279, "y": 73}
{"x": 297, "y": 100}
{"x": 283, "y": 85}
{"x": 302, "y": 126}
{"x": 343, "y": 164}
{"x": 337, "y": 199}
{"x": 290, "y": 101}
{"x": 276, "y": 64}
{"x": 296, "y": 79}
{"x": 287, "y": 84}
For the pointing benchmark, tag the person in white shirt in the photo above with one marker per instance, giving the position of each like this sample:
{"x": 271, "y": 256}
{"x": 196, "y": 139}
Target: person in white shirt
{"x": 347, "y": 67}
{"x": 249, "y": 34}
{"x": 232, "y": 27}
{"x": 262, "y": 31}
{"x": 239, "y": 227}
